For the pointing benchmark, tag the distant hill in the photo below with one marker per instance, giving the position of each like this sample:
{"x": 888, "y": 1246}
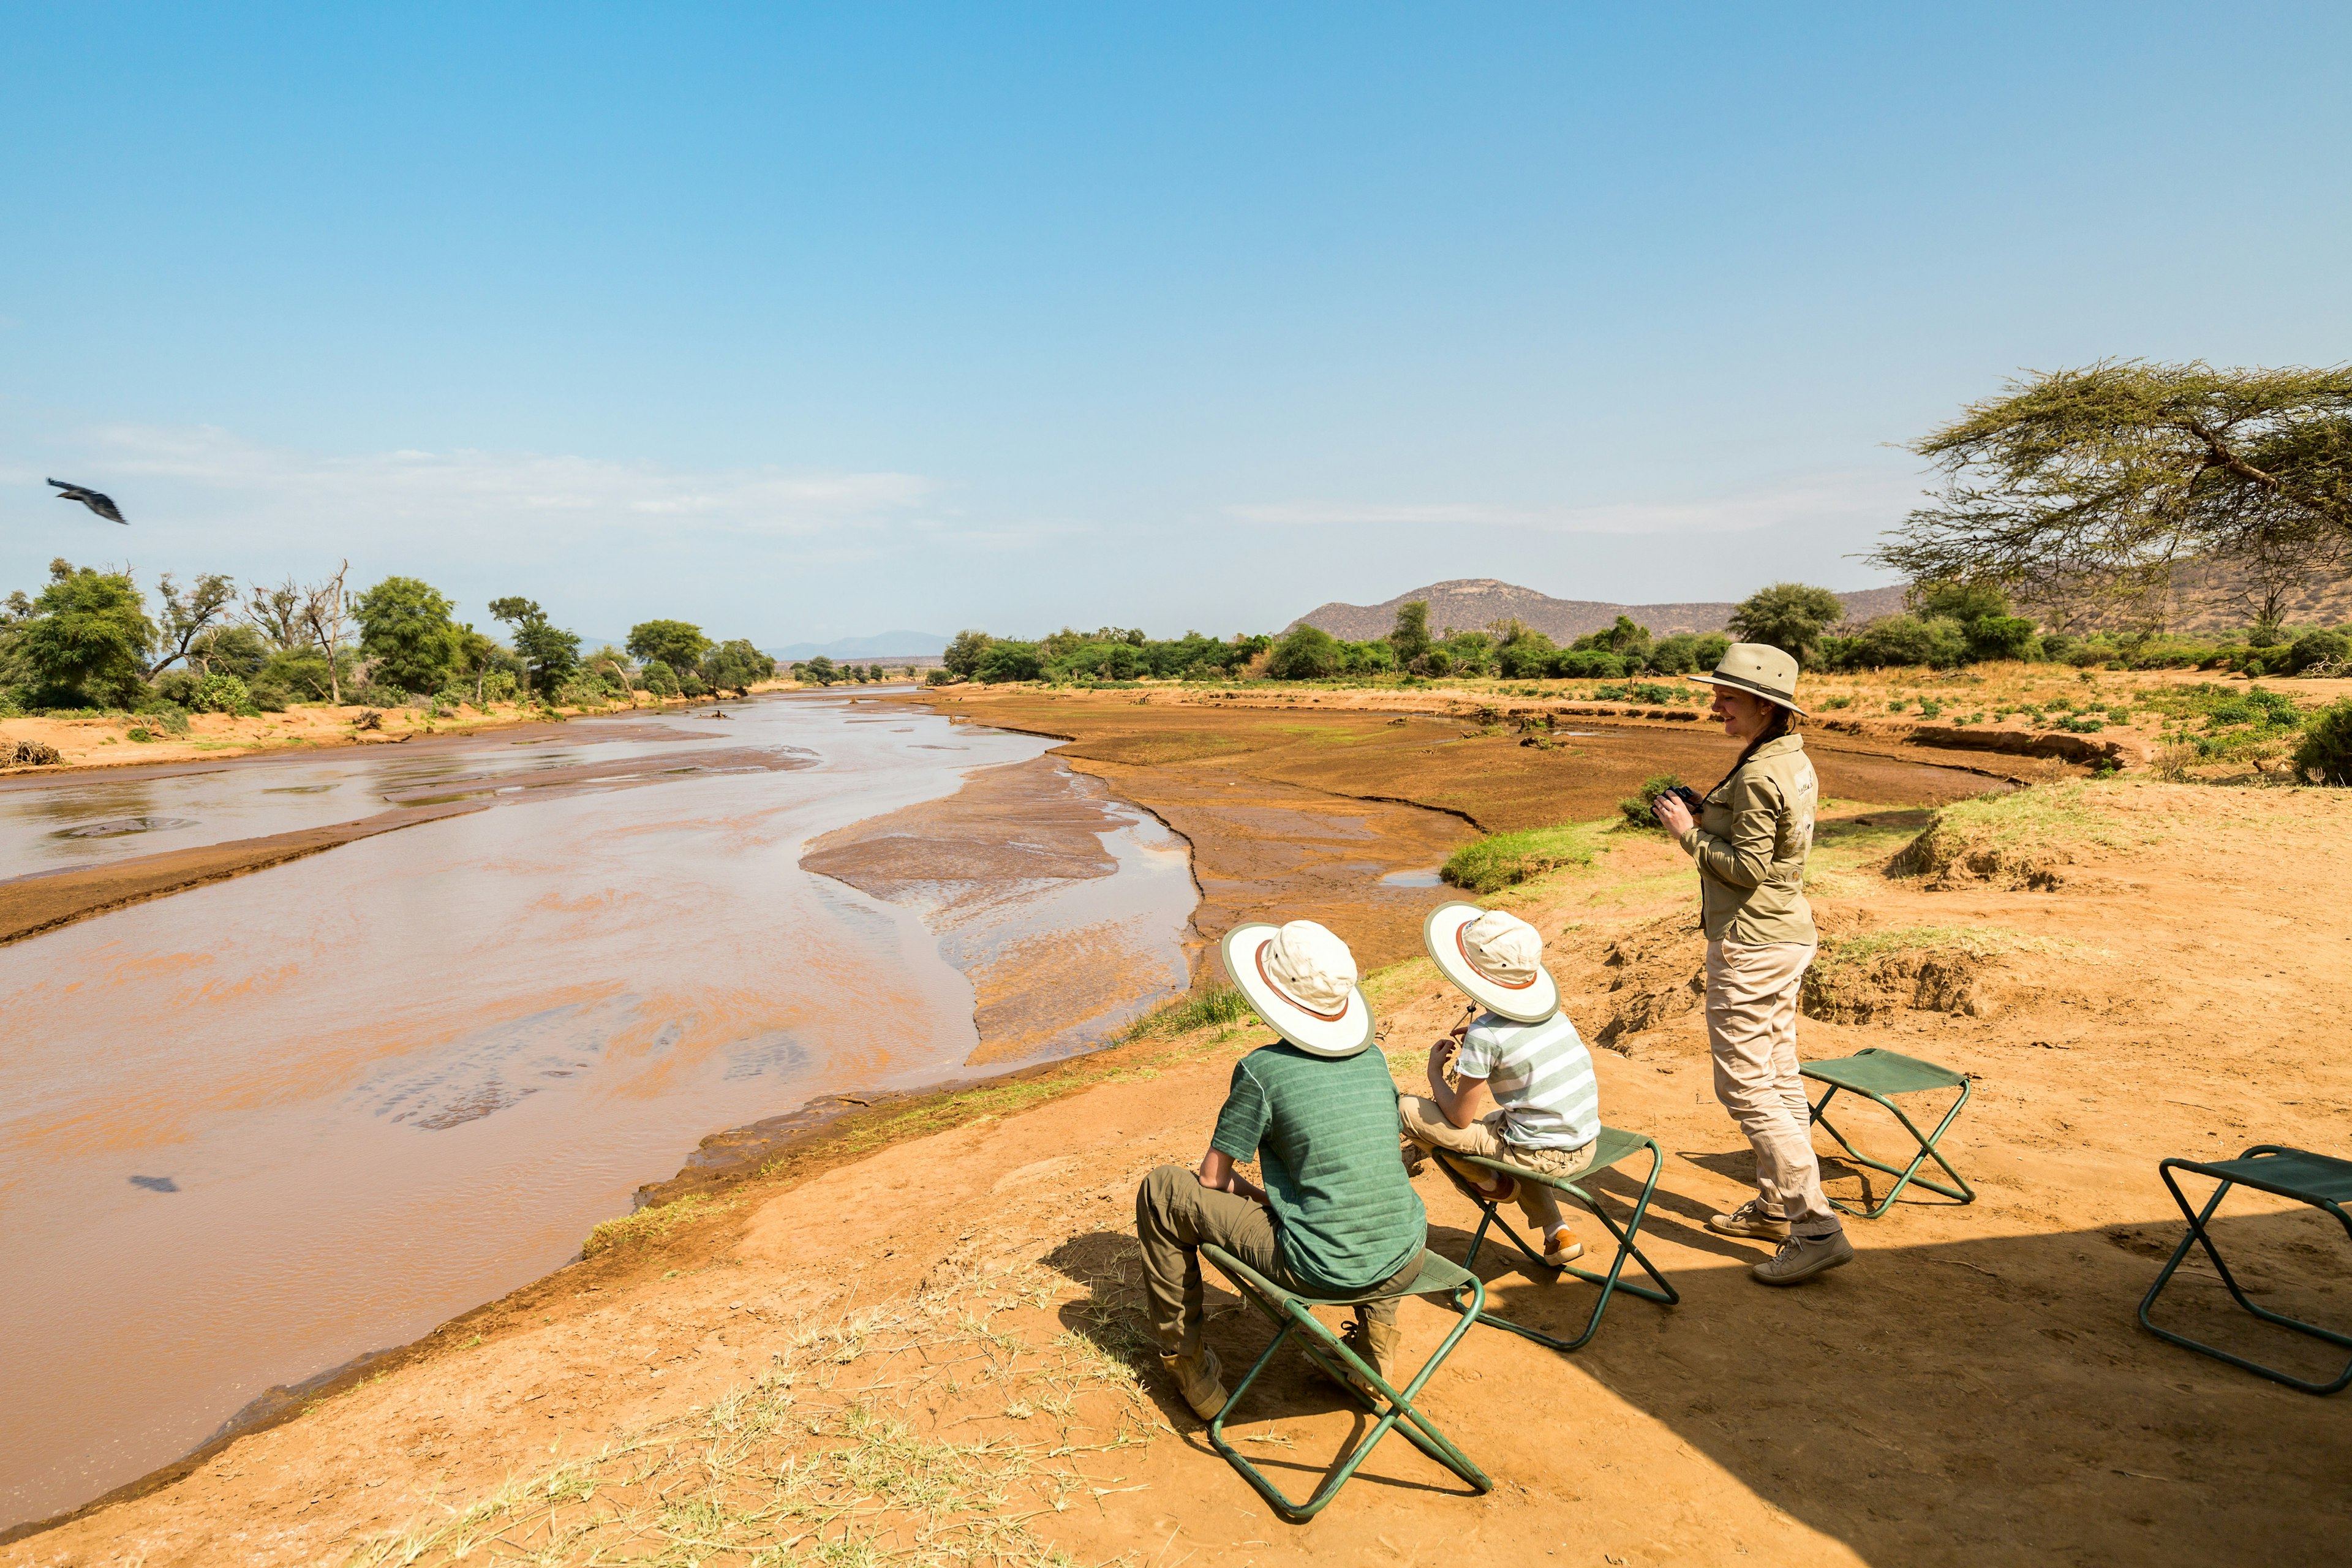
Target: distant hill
{"x": 882, "y": 644}
{"x": 1472, "y": 603}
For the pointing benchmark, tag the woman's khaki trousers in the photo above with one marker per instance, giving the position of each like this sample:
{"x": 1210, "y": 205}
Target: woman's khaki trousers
{"x": 1751, "y": 1031}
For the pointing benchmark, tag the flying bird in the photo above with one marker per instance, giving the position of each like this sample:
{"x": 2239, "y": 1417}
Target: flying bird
{"x": 101, "y": 504}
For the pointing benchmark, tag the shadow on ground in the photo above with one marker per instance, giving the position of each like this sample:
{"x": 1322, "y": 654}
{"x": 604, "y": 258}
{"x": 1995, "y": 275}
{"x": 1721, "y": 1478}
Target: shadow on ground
{"x": 1986, "y": 1400}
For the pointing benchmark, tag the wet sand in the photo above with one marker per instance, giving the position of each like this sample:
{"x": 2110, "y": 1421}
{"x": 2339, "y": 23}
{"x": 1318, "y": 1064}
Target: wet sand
{"x": 43, "y": 900}
{"x": 1293, "y": 812}
{"x": 1009, "y": 872}
{"x": 267, "y": 1123}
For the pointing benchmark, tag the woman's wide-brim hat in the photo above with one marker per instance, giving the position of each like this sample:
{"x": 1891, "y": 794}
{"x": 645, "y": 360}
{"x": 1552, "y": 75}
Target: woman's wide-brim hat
{"x": 1761, "y": 670}
{"x": 1520, "y": 989}
{"x": 1274, "y": 965}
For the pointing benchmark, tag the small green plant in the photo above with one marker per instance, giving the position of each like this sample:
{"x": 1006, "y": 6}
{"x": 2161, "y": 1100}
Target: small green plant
{"x": 1636, "y": 809}
{"x": 1837, "y": 702}
{"x": 139, "y": 732}
{"x": 1505, "y": 859}
{"x": 1217, "y": 1006}
{"x": 1931, "y": 708}
{"x": 1897, "y": 704}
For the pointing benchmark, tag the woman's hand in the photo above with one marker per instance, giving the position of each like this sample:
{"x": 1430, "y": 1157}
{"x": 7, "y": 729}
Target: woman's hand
{"x": 1672, "y": 815}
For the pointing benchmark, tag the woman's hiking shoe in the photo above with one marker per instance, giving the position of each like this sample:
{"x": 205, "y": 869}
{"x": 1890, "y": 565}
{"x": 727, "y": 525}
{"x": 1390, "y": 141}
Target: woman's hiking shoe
{"x": 1199, "y": 1380}
{"x": 1750, "y": 1221}
{"x": 1802, "y": 1256}
{"x": 1562, "y": 1249}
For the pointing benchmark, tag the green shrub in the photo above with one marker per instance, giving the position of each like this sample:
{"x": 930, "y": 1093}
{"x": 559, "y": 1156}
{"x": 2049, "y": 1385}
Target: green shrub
{"x": 1830, "y": 702}
{"x": 1588, "y": 664}
{"x": 1637, "y": 809}
{"x": 2319, "y": 650}
{"x": 2325, "y": 754}
{"x": 1305, "y": 653}
{"x": 222, "y": 694}
{"x": 177, "y": 686}
{"x": 168, "y": 717}
{"x": 1505, "y": 859}
{"x": 660, "y": 679}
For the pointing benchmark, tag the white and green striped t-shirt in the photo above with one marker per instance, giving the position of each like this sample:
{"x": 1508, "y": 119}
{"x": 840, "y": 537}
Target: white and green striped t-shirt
{"x": 1540, "y": 1074}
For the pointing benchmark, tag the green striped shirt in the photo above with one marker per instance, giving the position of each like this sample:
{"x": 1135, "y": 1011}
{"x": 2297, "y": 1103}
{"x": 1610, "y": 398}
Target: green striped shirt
{"x": 1324, "y": 1133}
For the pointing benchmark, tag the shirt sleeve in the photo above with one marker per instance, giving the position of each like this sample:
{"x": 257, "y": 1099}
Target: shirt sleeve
{"x": 1480, "y": 1051}
{"x": 1743, "y": 858}
{"x": 1243, "y": 1122}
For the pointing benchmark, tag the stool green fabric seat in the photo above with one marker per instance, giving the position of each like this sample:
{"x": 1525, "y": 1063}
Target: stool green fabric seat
{"x": 1292, "y": 1314}
{"x": 1613, "y": 1145}
{"x": 2321, "y": 1181}
{"x": 1879, "y": 1075}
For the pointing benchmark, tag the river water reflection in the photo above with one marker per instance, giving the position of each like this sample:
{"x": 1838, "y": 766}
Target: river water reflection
{"x": 253, "y": 1129}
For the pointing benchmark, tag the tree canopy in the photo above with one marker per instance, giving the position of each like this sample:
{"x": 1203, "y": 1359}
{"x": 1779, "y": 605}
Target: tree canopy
{"x": 405, "y": 627}
{"x": 85, "y": 640}
{"x": 1792, "y": 617}
{"x": 549, "y": 652}
{"x": 734, "y": 665}
{"x": 677, "y": 644}
{"x": 2084, "y": 483}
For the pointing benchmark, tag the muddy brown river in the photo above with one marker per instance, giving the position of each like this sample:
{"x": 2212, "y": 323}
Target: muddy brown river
{"x": 255, "y": 1129}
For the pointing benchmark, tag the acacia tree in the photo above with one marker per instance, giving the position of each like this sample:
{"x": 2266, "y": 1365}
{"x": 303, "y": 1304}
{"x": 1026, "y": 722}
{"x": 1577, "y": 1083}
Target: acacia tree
{"x": 2092, "y": 483}
{"x": 185, "y": 616}
{"x": 677, "y": 644}
{"x": 1792, "y": 617}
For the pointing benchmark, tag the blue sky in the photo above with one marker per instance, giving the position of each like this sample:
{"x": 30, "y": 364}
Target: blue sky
{"x": 806, "y": 322}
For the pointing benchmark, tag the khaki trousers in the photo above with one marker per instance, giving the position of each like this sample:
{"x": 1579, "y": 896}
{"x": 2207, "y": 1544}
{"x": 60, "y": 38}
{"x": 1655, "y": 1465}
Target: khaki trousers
{"x": 1424, "y": 1123}
{"x": 1174, "y": 1214}
{"x": 1751, "y": 1031}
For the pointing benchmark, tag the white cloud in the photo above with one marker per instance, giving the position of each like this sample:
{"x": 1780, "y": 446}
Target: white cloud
{"x": 1811, "y": 499}
{"x": 463, "y": 491}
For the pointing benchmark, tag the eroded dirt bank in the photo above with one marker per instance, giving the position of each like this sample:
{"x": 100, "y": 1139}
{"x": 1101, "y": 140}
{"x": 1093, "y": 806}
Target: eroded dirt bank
{"x": 931, "y": 1351}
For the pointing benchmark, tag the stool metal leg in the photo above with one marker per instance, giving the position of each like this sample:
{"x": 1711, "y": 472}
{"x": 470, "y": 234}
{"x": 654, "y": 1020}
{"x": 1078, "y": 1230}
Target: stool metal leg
{"x": 1906, "y": 1175}
{"x": 2198, "y": 1236}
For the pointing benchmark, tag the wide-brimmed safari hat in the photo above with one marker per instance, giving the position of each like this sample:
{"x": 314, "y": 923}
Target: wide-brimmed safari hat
{"x": 1761, "y": 670}
{"x": 1493, "y": 957}
{"x": 1301, "y": 979}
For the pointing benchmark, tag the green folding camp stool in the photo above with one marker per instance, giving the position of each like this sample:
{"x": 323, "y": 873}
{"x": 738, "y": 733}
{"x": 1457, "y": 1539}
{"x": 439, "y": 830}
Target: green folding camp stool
{"x": 1291, "y": 1313}
{"x": 1877, "y": 1075}
{"x": 2320, "y": 1180}
{"x": 1613, "y": 1144}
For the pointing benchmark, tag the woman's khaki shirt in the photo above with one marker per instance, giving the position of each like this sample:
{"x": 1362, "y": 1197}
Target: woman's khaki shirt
{"x": 1750, "y": 842}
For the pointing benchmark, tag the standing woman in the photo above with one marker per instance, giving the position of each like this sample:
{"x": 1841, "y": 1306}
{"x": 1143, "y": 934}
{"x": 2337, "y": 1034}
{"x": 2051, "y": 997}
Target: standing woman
{"x": 1751, "y": 839}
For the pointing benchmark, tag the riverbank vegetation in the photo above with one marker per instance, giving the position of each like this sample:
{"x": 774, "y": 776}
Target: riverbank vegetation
{"x": 90, "y": 642}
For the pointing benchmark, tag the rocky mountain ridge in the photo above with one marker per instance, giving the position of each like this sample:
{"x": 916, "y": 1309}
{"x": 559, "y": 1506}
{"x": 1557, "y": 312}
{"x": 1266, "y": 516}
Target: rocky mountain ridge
{"x": 1472, "y": 603}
